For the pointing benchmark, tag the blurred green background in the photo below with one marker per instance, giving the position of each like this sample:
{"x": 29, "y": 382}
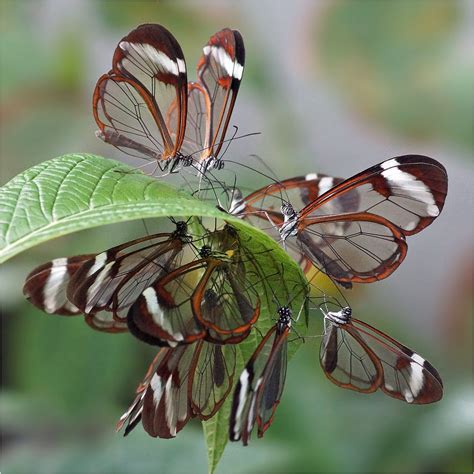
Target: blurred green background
{"x": 334, "y": 86}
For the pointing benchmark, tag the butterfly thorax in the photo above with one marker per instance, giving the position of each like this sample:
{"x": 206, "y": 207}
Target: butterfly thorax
{"x": 205, "y": 251}
{"x": 237, "y": 204}
{"x": 181, "y": 231}
{"x": 290, "y": 216}
{"x": 339, "y": 317}
{"x": 284, "y": 318}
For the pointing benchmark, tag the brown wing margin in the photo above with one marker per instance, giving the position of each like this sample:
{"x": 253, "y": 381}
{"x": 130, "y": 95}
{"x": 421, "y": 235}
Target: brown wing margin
{"x": 339, "y": 252}
{"x": 356, "y": 356}
{"x": 409, "y": 185}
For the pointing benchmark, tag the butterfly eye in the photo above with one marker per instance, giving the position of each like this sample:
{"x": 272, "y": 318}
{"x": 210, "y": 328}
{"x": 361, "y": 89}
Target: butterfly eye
{"x": 347, "y": 312}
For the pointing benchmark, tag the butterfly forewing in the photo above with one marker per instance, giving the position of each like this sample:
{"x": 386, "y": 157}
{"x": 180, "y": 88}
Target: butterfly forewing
{"x": 273, "y": 383}
{"x": 166, "y": 403}
{"x": 133, "y": 415}
{"x": 196, "y": 142}
{"x": 260, "y": 386}
{"x": 112, "y": 280}
{"x": 46, "y": 288}
{"x": 219, "y": 70}
{"x": 131, "y": 101}
{"x": 407, "y": 375}
{"x": 46, "y": 285}
{"x": 299, "y": 191}
{"x": 162, "y": 314}
{"x": 409, "y": 191}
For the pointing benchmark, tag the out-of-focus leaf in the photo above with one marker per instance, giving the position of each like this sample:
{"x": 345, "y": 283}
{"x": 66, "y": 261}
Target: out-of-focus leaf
{"x": 398, "y": 64}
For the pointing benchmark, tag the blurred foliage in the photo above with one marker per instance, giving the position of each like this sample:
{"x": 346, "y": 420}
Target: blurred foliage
{"x": 397, "y": 63}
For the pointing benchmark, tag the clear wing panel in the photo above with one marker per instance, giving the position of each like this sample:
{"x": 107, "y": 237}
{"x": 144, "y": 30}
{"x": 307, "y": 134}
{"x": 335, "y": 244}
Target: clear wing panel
{"x": 353, "y": 250}
{"x": 213, "y": 378}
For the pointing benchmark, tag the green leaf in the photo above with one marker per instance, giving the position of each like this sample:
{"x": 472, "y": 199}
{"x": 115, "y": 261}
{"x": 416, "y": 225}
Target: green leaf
{"x": 79, "y": 191}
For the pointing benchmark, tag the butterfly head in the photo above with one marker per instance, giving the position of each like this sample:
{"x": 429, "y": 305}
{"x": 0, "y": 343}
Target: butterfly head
{"x": 287, "y": 210}
{"x": 181, "y": 231}
{"x": 205, "y": 251}
{"x": 210, "y": 296}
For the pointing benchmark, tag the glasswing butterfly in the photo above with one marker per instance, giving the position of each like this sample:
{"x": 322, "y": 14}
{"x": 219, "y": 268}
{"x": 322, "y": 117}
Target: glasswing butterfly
{"x": 145, "y": 106}
{"x": 355, "y": 229}
{"x": 260, "y": 385}
{"x": 356, "y": 356}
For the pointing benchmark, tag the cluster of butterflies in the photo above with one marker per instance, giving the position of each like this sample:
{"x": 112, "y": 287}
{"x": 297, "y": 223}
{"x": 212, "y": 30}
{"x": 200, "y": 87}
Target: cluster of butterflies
{"x": 195, "y": 292}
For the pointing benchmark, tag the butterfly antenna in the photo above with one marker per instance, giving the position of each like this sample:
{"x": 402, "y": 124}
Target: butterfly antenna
{"x": 236, "y": 129}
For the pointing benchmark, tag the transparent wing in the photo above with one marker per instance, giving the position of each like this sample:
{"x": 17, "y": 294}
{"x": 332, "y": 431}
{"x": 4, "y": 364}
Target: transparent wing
{"x": 196, "y": 141}
{"x": 406, "y": 375}
{"x": 213, "y": 378}
{"x": 220, "y": 70}
{"x": 298, "y": 191}
{"x": 359, "y": 357}
{"x": 408, "y": 191}
{"x": 262, "y": 208}
{"x": 166, "y": 403}
{"x": 224, "y": 300}
{"x": 162, "y": 314}
{"x": 148, "y": 75}
{"x": 113, "y": 280}
{"x": 347, "y": 361}
{"x": 271, "y": 388}
{"x": 260, "y": 386}
{"x": 353, "y": 248}
{"x": 356, "y": 230}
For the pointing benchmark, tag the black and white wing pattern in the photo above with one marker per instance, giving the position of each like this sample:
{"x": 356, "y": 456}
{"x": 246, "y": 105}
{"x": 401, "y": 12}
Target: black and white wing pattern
{"x": 212, "y": 98}
{"x": 181, "y": 383}
{"x": 46, "y": 285}
{"x": 113, "y": 280}
{"x": 46, "y": 288}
